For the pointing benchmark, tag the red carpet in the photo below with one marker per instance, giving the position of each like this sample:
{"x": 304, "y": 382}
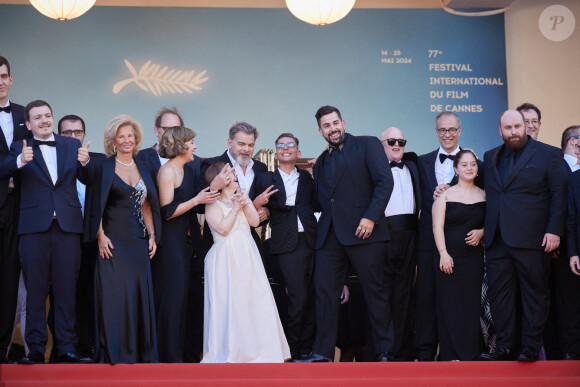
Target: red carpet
{"x": 542, "y": 373}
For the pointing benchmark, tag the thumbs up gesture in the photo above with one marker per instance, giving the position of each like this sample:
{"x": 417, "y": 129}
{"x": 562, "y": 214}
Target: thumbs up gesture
{"x": 83, "y": 155}
{"x": 27, "y": 155}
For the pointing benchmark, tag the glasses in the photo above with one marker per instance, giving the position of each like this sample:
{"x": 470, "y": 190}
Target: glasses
{"x": 166, "y": 128}
{"x": 71, "y": 133}
{"x": 289, "y": 145}
{"x": 443, "y": 131}
{"x": 393, "y": 141}
{"x": 533, "y": 122}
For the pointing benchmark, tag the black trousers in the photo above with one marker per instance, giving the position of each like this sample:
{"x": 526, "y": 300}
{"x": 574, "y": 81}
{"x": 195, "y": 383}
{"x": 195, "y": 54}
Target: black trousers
{"x": 566, "y": 305}
{"x": 9, "y": 269}
{"x": 51, "y": 258}
{"x": 297, "y": 269}
{"x": 426, "y": 336}
{"x": 331, "y": 264}
{"x": 400, "y": 272}
{"x": 508, "y": 269}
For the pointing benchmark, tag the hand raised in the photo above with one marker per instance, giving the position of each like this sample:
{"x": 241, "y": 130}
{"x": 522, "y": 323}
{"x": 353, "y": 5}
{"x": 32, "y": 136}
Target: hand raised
{"x": 27, "y": 154}
{"x": 206, "y": 197}
{"x": 83, "y": 154}
{"x": 264, "y": 197}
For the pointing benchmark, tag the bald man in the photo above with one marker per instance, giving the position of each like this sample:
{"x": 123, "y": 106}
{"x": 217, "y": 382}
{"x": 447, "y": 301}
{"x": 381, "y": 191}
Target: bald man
{"x": 402, "y": 214}
{"x": 525, "y": 185}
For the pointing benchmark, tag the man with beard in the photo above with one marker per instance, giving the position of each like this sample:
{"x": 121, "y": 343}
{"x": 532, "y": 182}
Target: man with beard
{"x": 352, "y": 184}
{"x": 525, "y": 184}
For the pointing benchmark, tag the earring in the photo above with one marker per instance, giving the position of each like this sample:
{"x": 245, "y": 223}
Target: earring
{"x": 114, "y": 149}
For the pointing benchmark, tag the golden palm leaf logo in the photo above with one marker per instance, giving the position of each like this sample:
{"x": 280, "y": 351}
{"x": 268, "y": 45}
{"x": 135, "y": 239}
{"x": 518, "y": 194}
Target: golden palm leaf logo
{"x": 154, "y": 79}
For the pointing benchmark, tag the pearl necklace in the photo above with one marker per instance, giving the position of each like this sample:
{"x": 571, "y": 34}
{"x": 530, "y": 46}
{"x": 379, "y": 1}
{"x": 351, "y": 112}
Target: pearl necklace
{"x": 125, "y": 164}
{"x": 227, "y": 202}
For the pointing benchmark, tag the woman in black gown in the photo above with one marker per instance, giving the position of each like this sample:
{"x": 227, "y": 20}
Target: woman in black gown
{"x": 458, "y": 218}
{"x": 126, "y": 219}
{"x": 171, "y": 269}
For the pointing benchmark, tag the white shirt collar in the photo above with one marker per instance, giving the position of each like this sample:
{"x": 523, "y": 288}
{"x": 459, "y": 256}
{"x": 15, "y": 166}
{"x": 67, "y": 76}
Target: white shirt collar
{"x": 445, "y": 153}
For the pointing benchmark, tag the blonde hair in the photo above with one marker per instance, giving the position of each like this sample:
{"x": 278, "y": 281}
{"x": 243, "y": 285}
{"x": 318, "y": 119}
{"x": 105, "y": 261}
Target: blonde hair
{"x": 174, "y": 141}
{"x": 112, "y": 129}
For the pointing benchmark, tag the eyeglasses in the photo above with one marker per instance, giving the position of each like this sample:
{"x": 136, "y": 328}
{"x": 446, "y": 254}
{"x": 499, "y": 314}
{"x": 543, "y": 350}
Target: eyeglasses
{"x": 289, "y": 145}
{"x": 574, "y": 139}
{"x": 443, "y": 131}
{"x": 166, "y": 128}
{"x": 71, "y": 133}
{"x": 393, "y": 141}
{"x": 533, "y": 122}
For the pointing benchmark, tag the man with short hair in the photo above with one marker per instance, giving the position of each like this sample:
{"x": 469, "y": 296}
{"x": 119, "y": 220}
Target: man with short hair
{"x": 525, "y": 185}
{"x": 435, "y": 168}
{"x": 402, "y": 214}
{"x": 293, "y": 239}
{"x": 73, "y": 126}
{"x": 532, "y": 119}
{"x": 352, "y": 184}
{"x": 50, "y": 227}
{"x": 12, "y": 128}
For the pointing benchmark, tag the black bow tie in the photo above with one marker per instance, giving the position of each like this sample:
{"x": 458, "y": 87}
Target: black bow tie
{"x": 397, "y": 164}
{"x": 442, "y": 157}
{"x": 49, "y": 143}
{"x": 6, "y": 109}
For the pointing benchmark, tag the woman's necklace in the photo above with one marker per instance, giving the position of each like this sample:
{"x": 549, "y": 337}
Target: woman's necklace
{"x": 125, "y": 164}
{"x": 227, "y": 202}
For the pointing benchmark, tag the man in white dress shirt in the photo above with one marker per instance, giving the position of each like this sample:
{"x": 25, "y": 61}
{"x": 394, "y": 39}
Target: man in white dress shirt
{"x": 402, "y": 215}
{"x": 435, "y": 168}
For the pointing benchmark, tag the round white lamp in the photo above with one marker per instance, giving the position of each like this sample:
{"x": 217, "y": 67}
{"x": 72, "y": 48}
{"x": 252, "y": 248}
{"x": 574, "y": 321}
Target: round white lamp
{"x": 320, "y": 12}
{"x": 62, "y": 9}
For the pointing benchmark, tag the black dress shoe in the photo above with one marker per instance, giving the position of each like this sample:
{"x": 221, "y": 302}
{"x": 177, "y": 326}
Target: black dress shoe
{"x": 314, "y": 358}
{"x": 528, "y": 355}
{"x": 71, "y": 357}
{"x": 499, "y": 355}
{"x": 571, "y": 356}
{"x": 34, "y": 357}
{"x": 384, "y": 357}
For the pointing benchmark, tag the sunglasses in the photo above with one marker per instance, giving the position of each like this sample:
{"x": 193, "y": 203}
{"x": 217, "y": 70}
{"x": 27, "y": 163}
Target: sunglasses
{"x": 393, "y": 141}
{"x": 289, "y": 145}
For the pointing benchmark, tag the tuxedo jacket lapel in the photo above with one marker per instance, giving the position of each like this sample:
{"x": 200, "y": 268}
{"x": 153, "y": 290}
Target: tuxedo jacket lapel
{"x": 3, "y": 144}
{"x": 61, "y": 150}
{"x": 40, "y": 161}
{"x": 494, "y": 170}
{"x": 431, "y": 178}
{"x": 526, "y": 155}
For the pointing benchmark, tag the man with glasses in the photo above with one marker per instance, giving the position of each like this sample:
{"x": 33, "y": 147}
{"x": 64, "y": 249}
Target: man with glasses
{"x": 435, "y": 168}
{"x": 532, "y": 119}
{"x": 293, "y": 239}
{"x": 74, "y": 126}
{"x": 565, "y": 280}
{"x": 402, "y": 215}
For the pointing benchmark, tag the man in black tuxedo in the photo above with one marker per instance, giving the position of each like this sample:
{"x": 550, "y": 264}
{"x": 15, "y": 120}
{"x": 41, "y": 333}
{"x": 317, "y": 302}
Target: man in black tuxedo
{"x": 565, "y": 271}
{"x": 165, "y": 119}
{"x": 12, "y": 128}
{"x": 352, "y": 184}
{"x": 50, "y": 227}
{"x": 525, "y": 185}
{"x": 241, "y": 142}
{"x": 435, "y": 168}
{"x": 402, "y": 215}
{"x": 293, "y": 239}
{"x": 73, "y": 126}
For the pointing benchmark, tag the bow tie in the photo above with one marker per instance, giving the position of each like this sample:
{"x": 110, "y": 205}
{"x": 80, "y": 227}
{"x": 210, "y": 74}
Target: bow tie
{"x": 442, "y": 157}
{"x": 49, "y": 143}
{"x": 6, "y": 109}
{"x": 397, "y": 164}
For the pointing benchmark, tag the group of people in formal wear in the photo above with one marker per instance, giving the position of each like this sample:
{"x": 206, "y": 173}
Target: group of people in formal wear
{"x": 455, "y": 258}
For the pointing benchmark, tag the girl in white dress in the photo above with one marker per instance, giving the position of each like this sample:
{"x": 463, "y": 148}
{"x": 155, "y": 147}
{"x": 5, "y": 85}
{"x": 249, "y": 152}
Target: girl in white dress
{"x": 241, "y": 322}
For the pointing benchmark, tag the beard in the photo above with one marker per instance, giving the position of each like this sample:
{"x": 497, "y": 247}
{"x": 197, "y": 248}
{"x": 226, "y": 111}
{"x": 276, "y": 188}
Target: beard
{"x": 335, "y": 142}
{"x": 515, "y": 145}
{"x": 243, "y": 161}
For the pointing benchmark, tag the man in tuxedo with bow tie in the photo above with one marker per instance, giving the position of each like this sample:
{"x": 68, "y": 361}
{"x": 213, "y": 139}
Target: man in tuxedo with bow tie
{"x": 352, "y": 184}
{"x": 402, "y": 214}
{"x": 50, "y": 228}
{"x": 525, "y": 186}
{"x": 12, "y": 128}
{"x": 435, "y": 168}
